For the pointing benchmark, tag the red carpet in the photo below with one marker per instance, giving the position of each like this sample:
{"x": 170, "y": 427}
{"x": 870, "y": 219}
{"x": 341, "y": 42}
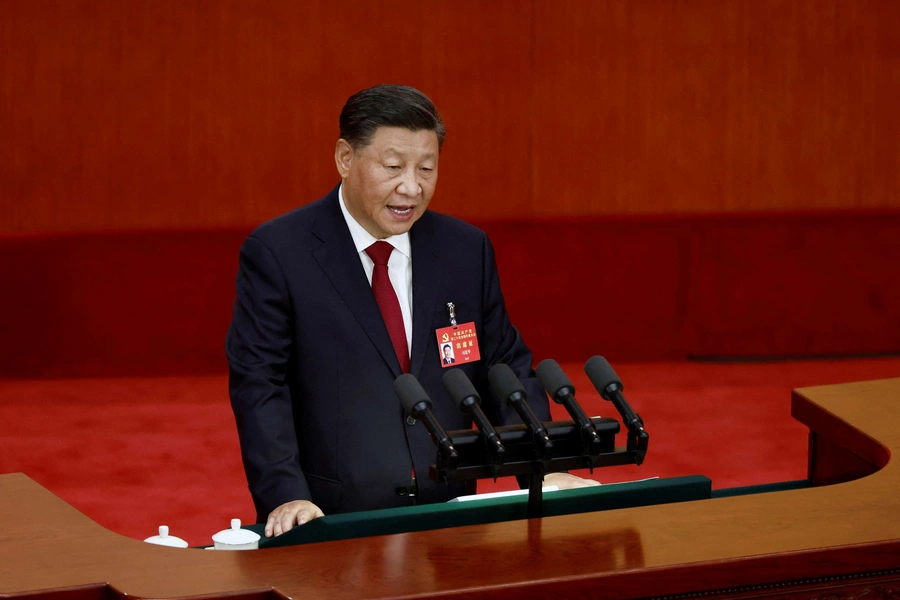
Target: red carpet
{"x": 136, "y": 453}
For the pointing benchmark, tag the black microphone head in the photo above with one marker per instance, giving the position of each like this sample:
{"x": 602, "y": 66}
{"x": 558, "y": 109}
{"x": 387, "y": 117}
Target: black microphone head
{"x": 459, "y": 387}
{"x": 504, "y": 382}
{"x": 601, "y": 374}
{"x": 410, "y": 392}
{"x": 553, "y": 378}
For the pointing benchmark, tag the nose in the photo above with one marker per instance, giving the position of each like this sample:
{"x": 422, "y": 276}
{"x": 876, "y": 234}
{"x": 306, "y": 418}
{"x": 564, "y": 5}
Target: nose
{"x": 409, "y": 184}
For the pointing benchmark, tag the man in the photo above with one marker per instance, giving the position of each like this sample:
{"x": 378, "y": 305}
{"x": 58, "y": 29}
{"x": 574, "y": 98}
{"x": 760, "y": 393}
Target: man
{"x": 448, "y": 355}
{"x": 339, "y": 297}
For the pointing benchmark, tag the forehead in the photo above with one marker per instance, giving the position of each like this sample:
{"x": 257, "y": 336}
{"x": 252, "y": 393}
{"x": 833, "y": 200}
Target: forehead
{"x": 399, "y": 140}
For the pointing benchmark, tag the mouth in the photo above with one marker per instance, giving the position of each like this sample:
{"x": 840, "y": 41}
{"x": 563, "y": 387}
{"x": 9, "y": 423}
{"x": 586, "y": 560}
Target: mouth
{"x": 401, "y": 211}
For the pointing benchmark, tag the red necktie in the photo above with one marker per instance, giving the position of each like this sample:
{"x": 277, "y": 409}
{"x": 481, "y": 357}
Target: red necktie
{"x": 387, "y": 301}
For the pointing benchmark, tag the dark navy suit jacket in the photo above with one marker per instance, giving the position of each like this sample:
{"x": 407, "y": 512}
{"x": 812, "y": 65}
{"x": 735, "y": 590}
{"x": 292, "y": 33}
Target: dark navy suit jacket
{"x": 312, "y": 366}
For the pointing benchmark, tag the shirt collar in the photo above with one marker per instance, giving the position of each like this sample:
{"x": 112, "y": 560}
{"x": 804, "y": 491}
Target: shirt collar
{"x": 362, "y": 239}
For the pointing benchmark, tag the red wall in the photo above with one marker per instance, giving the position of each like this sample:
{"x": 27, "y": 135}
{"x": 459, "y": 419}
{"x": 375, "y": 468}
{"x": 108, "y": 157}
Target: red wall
{"x": 170, "y": 114}
{"x": 159, "y": 302}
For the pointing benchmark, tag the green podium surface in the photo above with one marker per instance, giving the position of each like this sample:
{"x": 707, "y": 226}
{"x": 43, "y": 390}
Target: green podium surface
{"x": 490, "y": 510}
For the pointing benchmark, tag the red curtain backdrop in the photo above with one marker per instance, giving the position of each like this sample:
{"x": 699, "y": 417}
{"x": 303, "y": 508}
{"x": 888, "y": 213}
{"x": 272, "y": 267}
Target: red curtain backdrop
{"x": 172, "y": 114}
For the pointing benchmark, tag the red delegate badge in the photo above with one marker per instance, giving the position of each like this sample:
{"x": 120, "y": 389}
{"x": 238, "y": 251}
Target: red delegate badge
{"x": 458, "y": 344}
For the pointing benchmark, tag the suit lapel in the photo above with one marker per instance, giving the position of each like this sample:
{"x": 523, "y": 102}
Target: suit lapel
{"x": 340, "y": 262}
{"x": 427, "y": 277}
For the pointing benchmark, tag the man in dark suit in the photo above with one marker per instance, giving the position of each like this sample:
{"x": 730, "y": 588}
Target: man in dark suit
{"x": 339, "y": 297}
{"x": 448, "y": 355}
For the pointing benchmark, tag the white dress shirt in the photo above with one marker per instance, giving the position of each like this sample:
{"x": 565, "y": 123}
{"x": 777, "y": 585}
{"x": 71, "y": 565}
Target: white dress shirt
{"x": 399, "y": 264}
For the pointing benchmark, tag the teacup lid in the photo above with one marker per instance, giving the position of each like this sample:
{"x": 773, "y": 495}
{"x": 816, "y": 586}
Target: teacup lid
{"x": 164, "y": 539}
{"x": 236, "y": 536}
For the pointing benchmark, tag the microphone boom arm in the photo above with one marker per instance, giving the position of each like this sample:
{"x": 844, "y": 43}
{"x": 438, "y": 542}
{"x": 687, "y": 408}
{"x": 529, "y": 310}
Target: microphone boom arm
{"x": 638, "y": 438}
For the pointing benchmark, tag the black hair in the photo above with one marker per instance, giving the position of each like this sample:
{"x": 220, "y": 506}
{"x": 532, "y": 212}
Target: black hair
{"x": 447, "y": 346}
{"x": 388, "y": 106}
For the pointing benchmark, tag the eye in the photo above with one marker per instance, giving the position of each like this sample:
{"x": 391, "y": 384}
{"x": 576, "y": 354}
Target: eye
{"x": 392, "y": 167}
{"x": 426, "y": 170}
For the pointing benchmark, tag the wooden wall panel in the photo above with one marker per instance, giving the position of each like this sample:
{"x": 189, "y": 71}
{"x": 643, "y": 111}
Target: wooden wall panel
{"x": 711, "y": 105}
{"x": 213, "y": 112}
{"x": 478, "y": 72}
{"x": 208, "y": 113}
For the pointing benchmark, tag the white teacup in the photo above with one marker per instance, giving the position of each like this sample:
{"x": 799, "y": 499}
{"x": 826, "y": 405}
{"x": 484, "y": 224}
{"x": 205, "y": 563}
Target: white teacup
{"x": 164, "y": 539}
{"x": 236, "y": 538}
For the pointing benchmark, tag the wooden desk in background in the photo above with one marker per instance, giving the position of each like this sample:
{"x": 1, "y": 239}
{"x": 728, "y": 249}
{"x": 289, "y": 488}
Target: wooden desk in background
{"x": 839, "y": 540}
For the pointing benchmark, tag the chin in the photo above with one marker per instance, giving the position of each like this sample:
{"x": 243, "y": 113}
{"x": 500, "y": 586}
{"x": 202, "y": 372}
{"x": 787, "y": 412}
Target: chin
{"x": 399, "y": 228}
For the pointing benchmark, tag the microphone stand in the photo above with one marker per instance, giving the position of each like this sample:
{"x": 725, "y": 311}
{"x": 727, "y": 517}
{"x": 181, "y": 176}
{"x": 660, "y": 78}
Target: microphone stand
{"x": 474, "y": 461}
{"x": 532, "y": 449}
{"x": 535, "y": 509}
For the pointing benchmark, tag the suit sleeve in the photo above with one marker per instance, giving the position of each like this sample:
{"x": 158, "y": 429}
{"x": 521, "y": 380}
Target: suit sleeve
{"x": 502, "y": 343}
{"x": 258, "y": 347}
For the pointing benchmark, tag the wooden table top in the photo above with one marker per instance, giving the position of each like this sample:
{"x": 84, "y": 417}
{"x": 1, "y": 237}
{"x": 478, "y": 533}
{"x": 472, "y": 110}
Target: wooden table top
{"x": 667, "y": 549}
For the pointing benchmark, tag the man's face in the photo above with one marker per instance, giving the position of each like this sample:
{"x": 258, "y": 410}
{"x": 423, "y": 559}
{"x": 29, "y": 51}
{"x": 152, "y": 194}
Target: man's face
{"x": 389, "y": 183}
{"x": 446, "y": 352}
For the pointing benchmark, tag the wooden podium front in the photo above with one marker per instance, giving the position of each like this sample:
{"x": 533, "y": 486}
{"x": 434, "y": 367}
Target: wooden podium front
{"x": 840, "y": 540}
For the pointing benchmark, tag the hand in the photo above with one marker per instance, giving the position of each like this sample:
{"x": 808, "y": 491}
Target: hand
{"x": 289, "y": 514}
{"x": 564, "y": 481}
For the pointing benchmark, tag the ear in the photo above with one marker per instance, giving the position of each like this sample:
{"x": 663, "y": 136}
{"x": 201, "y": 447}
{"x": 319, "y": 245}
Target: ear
{"x": 343, "y": 157}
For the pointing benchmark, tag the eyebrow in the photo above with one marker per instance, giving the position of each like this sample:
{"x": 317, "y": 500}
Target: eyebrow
{"x": 394, "y": 150}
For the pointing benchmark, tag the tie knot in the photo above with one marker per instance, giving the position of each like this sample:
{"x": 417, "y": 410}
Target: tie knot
{"x": 380, "y": 252}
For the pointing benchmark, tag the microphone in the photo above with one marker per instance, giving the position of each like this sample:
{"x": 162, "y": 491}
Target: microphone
{"x": 610, "y": 387}
{"x": 508, "y": 387}
{"x": 561, "y": 390}
{"x": 468, "y": 401}
{"x": 417, "y": 403}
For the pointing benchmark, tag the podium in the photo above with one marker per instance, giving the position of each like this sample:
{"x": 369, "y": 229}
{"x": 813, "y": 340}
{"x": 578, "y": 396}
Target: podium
{"x": 493, "y": 510}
